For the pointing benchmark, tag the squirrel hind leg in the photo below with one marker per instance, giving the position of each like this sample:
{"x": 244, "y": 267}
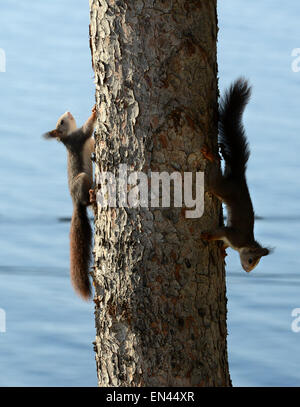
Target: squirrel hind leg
{"x": 220, "y": 186}
{"x": 80, "y": 188}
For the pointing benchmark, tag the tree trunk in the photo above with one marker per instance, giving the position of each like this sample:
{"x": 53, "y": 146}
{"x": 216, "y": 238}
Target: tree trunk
{"x": 159, "y": 289}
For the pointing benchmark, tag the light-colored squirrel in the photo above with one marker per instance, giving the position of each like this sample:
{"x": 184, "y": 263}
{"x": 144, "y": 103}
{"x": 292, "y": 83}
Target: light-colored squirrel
{"x": 80, "y": 145}
{"x": 231, "y": 186}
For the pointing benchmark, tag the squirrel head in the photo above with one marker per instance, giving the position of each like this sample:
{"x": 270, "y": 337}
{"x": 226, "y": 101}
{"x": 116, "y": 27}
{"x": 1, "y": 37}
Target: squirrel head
{"x": 65, "y": 125}
{"x": 250, "y": 256}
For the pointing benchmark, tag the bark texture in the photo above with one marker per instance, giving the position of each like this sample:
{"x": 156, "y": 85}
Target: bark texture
{"x": 160, "y": 301}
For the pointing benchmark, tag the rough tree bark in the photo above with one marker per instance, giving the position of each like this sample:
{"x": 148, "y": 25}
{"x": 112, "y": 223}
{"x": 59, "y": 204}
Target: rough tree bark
{"x": 159, "y": 289}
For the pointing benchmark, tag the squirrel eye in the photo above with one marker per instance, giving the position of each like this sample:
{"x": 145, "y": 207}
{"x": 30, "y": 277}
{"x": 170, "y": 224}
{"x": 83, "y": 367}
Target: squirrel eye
{"x": 250, "y": 261}
{"x": 62, "y": 122}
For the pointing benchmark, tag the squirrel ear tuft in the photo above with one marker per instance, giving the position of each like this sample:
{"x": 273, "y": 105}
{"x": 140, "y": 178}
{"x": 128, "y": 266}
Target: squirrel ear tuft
{"x": 265, "y": 252}
{"x": 51, "y": 134}
{"x": 260, "y": 251}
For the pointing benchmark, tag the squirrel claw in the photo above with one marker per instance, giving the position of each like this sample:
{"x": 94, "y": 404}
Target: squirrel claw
{"x": 208, "y": 154}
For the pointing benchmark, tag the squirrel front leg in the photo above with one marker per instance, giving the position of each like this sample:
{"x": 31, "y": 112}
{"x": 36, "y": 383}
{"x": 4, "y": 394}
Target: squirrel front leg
{"x": 212, "y": 236}
{"x": 89, "y": 125}
{"x": 218, "y": 234}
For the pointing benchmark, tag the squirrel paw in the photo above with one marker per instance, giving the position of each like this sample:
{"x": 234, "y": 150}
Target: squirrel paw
{"x": 206, "y": 236}
{"x": 208, "y": 154}
{"x": 94, "y": 111}
{"x": 223, "y": 251}
{"x": 92, "y": 196}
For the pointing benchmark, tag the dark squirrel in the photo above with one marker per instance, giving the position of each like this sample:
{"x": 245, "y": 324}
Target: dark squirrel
{"x": 80, "y": 145}
{"x": 231, "y": 186}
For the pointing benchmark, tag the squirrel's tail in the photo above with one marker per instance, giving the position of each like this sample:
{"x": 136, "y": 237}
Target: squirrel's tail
{"x": 232, "y": 137}
{"x": 80, "y": 251}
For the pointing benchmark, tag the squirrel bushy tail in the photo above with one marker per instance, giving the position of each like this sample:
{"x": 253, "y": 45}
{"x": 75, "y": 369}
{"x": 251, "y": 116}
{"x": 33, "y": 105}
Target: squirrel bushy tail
{"x": 232, "y": 138}
{"x": 80, "y": 251}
